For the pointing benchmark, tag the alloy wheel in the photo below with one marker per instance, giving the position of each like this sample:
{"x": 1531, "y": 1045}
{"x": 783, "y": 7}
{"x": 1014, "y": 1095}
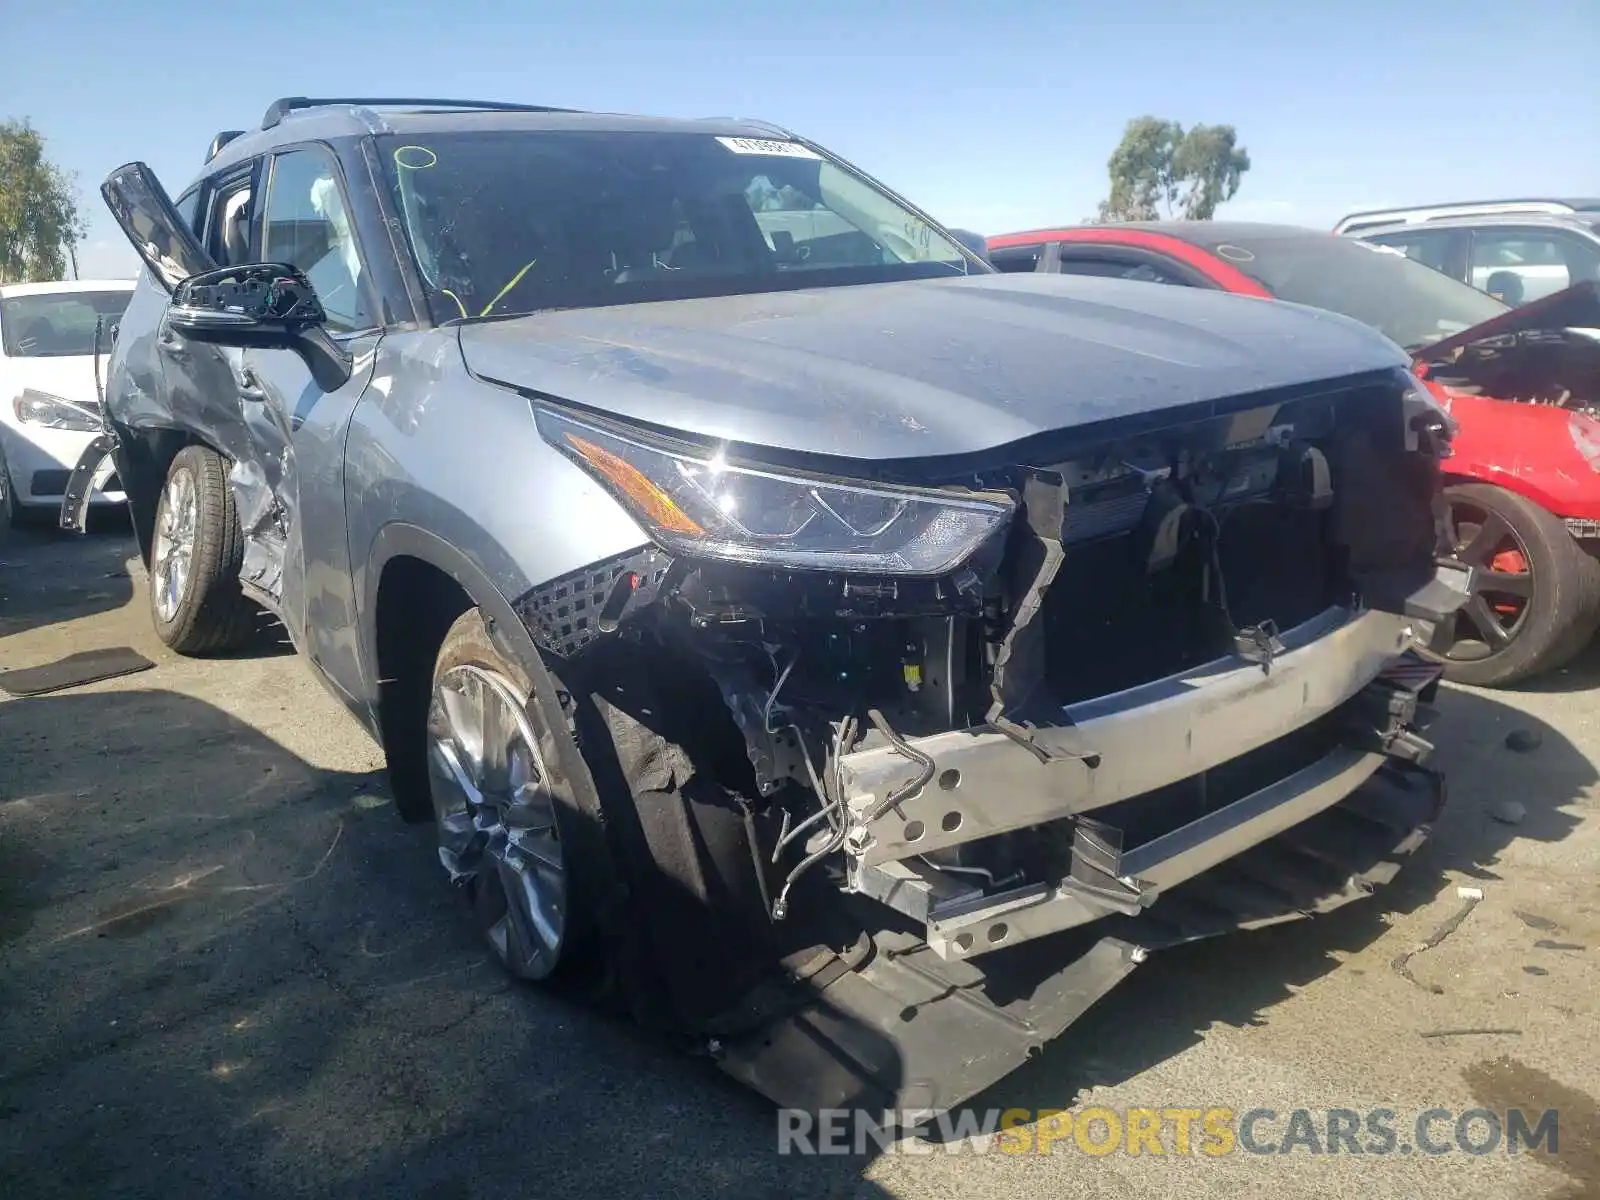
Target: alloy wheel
{"x": 1502, "y": 587}
{"x": 172, "y": 554}
{"x": 496, "y": 819}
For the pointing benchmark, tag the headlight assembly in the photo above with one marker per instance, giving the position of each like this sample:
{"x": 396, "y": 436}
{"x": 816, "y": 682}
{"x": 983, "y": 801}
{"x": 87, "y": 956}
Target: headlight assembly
{"x": 696, "y": 503}
{"x": 53, "y": 412}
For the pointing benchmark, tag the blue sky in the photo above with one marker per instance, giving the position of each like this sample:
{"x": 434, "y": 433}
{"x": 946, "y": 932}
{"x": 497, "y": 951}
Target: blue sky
{"x": 992, "y": 116}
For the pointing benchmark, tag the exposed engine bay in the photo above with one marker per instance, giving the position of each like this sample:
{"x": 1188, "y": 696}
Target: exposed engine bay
{"x": 1559, "y": 367}
{"x": 1546, "y": 352}
{"x": 1191, "y": 638}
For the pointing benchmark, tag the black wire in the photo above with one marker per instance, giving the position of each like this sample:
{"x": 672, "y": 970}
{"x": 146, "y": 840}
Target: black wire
{"x": 99, "y": 388}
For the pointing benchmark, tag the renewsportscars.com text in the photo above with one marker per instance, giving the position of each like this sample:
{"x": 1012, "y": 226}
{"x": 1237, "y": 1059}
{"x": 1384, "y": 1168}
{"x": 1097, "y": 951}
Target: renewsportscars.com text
{"x": 1211, "y": 1132}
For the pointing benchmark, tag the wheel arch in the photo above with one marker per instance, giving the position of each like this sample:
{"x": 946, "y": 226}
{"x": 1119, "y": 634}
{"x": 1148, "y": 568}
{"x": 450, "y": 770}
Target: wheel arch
{"x": 1517, "y": 485}
{"x": 416, "y": 584}
{"x": 143, "y": 457}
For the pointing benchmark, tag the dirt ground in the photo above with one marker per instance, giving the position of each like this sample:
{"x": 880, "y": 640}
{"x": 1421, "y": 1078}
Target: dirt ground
{"x": 227, "y": 969}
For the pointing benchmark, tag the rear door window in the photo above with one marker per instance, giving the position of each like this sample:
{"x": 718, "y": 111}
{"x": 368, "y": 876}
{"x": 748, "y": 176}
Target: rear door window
{"x": 1141, "y": 270}
{"x": 1017, "y": 260}
{"x": 1430, "y": 247}
{"x": 227, "y": 226}
{"x": 188, "y": 206}
{"x": 1519, "y": 265}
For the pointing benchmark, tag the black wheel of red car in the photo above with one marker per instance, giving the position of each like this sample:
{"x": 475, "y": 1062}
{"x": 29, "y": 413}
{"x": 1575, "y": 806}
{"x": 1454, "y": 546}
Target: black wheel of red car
{"x": 1535, "y": 595}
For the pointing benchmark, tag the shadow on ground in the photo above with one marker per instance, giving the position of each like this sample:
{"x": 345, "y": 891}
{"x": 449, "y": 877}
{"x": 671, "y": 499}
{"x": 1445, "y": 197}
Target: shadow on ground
{"x": 1166, "y": 1006}
{"x": 224, "y": 971}
{"x": 48, "y": 576}
{"x": 1581, "y": 674}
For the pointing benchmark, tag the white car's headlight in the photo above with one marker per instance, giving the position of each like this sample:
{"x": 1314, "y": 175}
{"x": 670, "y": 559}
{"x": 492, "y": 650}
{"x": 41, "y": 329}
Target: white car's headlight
{"x": 53, "y": 412}
{"x": 696, "y": 503}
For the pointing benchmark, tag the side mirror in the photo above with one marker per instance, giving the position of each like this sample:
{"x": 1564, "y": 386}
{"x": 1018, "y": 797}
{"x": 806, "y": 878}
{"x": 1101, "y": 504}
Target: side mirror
{"x": 974, "y": 242}
{"x": 263, "y": 304}
{"x": 267, "y": 306}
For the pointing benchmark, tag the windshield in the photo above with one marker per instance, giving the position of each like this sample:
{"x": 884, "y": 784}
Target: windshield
{"x": 58, "y": 324}
{"x": 514, "y": 222}
{"x": 1409, "y": 303}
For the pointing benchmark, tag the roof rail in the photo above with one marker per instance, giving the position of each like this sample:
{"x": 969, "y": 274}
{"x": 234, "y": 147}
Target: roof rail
{"x": 1423, "y": 213}
{"x": 279, "y": 109}
{"x": 221, "y": 140}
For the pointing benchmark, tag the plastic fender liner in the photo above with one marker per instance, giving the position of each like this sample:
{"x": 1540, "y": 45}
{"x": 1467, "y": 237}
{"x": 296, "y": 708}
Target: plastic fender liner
{"x": 81, "y": 483}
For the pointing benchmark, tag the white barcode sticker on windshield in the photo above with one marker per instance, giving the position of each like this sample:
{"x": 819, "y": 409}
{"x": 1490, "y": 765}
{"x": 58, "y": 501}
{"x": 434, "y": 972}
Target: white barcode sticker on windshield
{"x": 764, "y": 146}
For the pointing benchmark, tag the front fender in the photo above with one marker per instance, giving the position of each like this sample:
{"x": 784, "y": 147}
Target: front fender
{"x": 1529, "y": 449}
{"x": 399, "y": 539}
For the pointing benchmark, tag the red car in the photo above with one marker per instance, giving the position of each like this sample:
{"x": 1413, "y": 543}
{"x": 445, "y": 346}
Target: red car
{"x": 1523, "y": 486}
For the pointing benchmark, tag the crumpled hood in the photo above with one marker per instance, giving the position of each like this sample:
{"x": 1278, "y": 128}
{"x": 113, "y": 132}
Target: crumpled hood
{"x": 919, "y": 369}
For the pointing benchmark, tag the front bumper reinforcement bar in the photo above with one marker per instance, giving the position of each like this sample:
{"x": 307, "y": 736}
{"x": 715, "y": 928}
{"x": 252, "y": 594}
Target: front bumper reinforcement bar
{"x": 1143, "y": 738}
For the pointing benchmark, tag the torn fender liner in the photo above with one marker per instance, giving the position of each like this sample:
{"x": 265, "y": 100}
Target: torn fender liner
{"x": 87, "y": 666}
{"x": 81, "y": 483}
{"x": 905, "y": 1031}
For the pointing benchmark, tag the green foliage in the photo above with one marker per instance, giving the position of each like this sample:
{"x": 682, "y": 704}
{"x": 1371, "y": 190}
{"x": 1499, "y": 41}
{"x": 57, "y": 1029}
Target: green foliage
{"x": 40, "y": 224}
{"x": 1159, "y": 170}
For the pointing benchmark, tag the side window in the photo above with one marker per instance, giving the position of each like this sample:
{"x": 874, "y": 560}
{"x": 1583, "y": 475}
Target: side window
{"x": 1115, "y": 268}
{"x": 307, "y": 225}
{"x": 1016, "y": 260}
{"x": 1519, "y": 265}
{"x": 1430, "y": 247}
{"x": 227, "y": 232}
{"x": 188, "y": 206}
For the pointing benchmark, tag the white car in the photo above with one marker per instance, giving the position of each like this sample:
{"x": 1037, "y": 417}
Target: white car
{"x": 49, "y": 407}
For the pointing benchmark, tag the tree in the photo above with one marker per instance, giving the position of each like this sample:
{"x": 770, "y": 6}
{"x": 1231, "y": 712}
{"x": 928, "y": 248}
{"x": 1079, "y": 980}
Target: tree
{"x": 1160, "y": 170}
{"x": 40, "y": 223}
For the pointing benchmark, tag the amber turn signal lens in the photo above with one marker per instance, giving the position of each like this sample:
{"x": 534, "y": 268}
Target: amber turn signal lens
{"x": 655, "y": 503}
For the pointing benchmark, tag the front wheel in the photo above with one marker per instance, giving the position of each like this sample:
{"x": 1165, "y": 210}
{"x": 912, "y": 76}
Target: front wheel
{"x": 502, "y": 831}
{"x": 1535, "y": 599}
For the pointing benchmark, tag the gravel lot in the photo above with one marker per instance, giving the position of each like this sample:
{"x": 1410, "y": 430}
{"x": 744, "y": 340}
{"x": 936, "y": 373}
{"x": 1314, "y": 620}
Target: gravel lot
{"x": 227, "y": 969}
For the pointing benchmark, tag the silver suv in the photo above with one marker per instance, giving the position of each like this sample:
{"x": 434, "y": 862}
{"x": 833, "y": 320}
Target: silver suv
{"x": 798, "y": 633}
{"x": 1516, "y": 251}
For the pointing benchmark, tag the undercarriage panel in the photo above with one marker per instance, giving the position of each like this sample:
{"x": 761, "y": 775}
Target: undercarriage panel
{"x": 910, "y": 1032}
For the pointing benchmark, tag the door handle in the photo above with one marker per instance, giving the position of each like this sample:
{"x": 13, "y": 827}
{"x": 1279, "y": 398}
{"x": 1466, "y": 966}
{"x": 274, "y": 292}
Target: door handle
{"x": 250, "y": 386}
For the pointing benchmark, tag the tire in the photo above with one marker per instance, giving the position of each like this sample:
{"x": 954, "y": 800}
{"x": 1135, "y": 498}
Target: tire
{"x": 1517, "y": 623}
{"x": 7, "y": 511}
{"x": 196, "y": 549}
{"x": 659, "y": 894}
{"x": 482, "y": 846}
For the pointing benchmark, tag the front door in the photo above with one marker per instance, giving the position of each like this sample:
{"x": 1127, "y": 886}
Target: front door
{"x": 297, "y": 427}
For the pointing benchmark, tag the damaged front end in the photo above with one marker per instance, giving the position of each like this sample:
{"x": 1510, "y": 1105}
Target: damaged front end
{"x": 1146, "y": 684}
